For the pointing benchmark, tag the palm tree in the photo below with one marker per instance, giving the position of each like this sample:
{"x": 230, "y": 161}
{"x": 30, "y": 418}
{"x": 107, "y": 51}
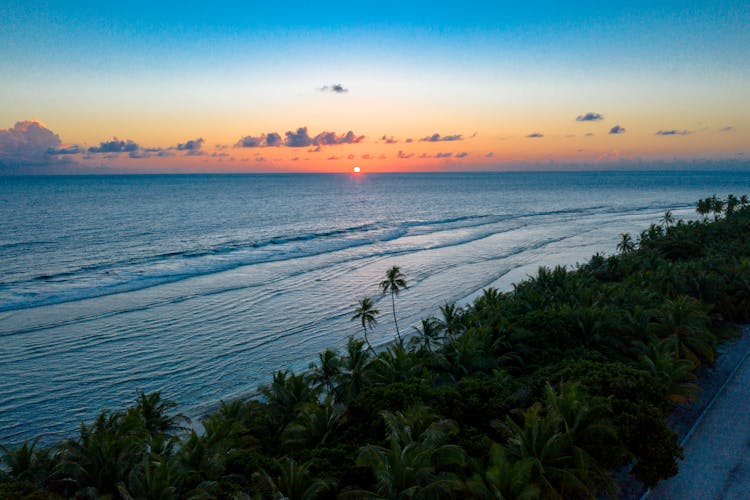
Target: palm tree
{"x": 660, "y": 359}
{"x": 413, "y": 464}
{"x": 451, "y": 321}
{"x": 667, "y": 219}
{"x": 703, "y": 207}
{"x": 685, "y": 319}
{"x": 394, "y": 282}
{"x": 427, "y": 334}
{"x": 626, "y": 244}
{"x": 504, "y": 479}
{"x": 354, "y": 368}
{"x": 293, "y": 482}
{"x": 286, "y": 393}
{"x": 365, "y": 313}
{"x": 22, "y": 461}
{"x": 327, "y": 371}
{"x": 153, "y": 412}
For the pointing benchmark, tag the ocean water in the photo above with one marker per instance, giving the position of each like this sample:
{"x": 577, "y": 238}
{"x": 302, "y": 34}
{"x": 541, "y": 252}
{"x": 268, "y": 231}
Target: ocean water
{"x": 201, "y": 286}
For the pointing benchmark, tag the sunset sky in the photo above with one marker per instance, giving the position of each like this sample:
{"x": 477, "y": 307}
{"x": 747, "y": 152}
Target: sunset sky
{"x": 389, "y": 86}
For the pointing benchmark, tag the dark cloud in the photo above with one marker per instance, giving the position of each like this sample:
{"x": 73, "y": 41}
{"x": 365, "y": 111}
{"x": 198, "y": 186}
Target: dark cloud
{"x": 674, "y": 132}
{"x": 298, "y": 139}
{"x": 726, "y": 129}
{"x": 463, "y": 154}
{"x": 191, "y": 145}
{"x": 115, "y": 146}
{"x": 28, "y": 142}
{"x": 139, "y": 154}
{"x": 273, "y": 139}
{"x": 535, "y": 135}
{"x": 66, "y": 150}
{"x": 409, "y": 140}
{"x": 617, "y": 130}
{"x": 260, "y": 158}
{"x": 336, "y": 88}
{"x": 366, "y": 157}
{"x": 332, "y": 158}
{"x": 250, "y": 141}
{"x": 490, "y": 155}
{"x": 443, "y": 155}
{"x": 389, "y": 140}
{"x": 588, "y": 134}
{"x": 438, "y": 138}
{"x": 330, "y": 138}
{"x": 589, "y": 117}
{"x": 404, "y": 156}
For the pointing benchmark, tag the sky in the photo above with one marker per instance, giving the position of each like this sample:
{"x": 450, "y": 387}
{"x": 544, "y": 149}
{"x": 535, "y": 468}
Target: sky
{"x": 388, "y": 86}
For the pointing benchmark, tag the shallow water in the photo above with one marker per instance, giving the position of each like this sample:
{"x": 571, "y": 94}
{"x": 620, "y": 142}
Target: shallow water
{"x": 201, "y": 286}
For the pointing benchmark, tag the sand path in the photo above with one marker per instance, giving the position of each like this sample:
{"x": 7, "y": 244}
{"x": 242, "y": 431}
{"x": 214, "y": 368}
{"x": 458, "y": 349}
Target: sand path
{"x": 717, "y": 450}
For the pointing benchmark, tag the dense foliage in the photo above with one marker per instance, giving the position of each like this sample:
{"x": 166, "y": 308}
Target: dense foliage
{"x": 539, "y": 392}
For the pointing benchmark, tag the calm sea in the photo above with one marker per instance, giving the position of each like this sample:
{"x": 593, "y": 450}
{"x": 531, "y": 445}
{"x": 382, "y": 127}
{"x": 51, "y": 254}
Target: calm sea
{"x": 200, "y": 286}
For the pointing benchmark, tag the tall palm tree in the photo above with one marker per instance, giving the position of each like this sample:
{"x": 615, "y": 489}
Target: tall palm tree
{"x": 327, "y": 371}
{"x": 667, "y": 219}
{"x": 427, "y": 334}
{"x": 365, "y": 313}
{"x": 626, "y": 244}
{"x": 394, "y": 282}
{"x": 504, "y": 479}
{"x": 703, "y": 207}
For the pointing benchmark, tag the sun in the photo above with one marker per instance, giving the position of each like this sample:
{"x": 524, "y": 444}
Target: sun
{"x": 356, "y": 170}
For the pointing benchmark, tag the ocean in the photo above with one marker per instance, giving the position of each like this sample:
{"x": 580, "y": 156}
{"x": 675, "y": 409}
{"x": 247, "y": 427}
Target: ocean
{"x": 201, "y": 286}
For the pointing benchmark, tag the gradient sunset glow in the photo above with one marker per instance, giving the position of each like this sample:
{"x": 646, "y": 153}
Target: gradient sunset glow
{"x": 388, "y": 86}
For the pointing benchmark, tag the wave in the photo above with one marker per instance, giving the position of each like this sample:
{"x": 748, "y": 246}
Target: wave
{"x": 137, "y": 273}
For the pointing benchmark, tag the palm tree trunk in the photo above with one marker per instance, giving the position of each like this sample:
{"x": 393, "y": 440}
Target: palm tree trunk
{"x": 393, "y": 302}
{"x": 364, "y": 328}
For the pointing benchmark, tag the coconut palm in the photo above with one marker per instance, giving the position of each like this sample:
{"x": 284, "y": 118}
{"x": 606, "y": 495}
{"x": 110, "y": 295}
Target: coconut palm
{"x": 327, "y": 371}
{"x": 685, "y": 319}
{"x": 413, "y": 465}
{"x": 314, "y": 426}
{"x": 365, "y": 313}
{"x": 153, "y": 479}
{"x": 428, "y": 333}
{"x": 451, "y": 320}
{"x": 667, "y": 219}
{"x": 154, "y": 413}
{"x": 626, "y": 244}
{"x": 504, "y": 479}
{"x": 660, "y": 359}
{"x": 286, "y": 393}
{"x": 393, "y": 283}
{"x": 294, "y": 482}
{"x": 394, "y": 365}
{"x": 703, "y": 207}
{"x": 23, "y": 462}
{"x": 354, "y": 367}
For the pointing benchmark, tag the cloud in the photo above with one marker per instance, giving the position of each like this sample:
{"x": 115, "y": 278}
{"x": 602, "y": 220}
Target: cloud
{"x": 273, "y": 139}
{"x": 409, "y": 140}
{"x": 726, "y": 129}
{"x": 535, "y": 135}
{"x": 350, "y": 157}
{"x": 191, "y": 145}
{"x": 463, "y": 154}
{"x": 366, "y": 157}
{"x": 330, "y": 138}
{"x": 617, "y": 130}
{"x": 336, "y": 88}
{"x": 298, "y": 139}
{"x": 443, "y": 155}
{"x": 438, "y": 138}
{"x": 66, "y": 150}
{"x": 332, "y": 158}
{"x": 674, "y": 132}
{"x": 588, "y": 134}
{"x": 28, "y": 142}
{"x": 389, "y": 140}
{"x": 404, "y": 156}
{"x": 115, "y": 146}
{"x": 490, "y": 155}
{"x": 589, "y": 117}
